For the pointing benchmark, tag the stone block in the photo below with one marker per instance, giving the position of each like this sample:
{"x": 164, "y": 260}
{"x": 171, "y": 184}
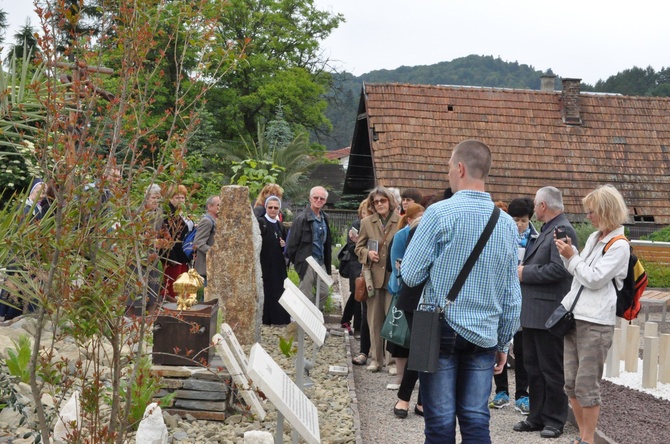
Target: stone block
{"x": 650, "y": 362}
{"x": 170, "y": 383}
{"x": 202, "y": 415}
{"x": 171, "y": 371}
{"x": 194, "y": 384}
{"x": 233, "y": 266}
{"x": 664, "y": 359}
{"x": 632, "y": 341}
{"x": 212, "y": 406}
{"x": 205, "y": 396}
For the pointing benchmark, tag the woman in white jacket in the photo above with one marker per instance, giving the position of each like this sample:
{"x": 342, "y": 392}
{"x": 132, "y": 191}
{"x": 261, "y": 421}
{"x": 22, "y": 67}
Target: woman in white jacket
{"x": 585, "y": 347}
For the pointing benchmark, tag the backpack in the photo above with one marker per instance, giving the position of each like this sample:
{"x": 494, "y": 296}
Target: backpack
{"x": 187, "y": 244}
{"x": 628, "y": 298}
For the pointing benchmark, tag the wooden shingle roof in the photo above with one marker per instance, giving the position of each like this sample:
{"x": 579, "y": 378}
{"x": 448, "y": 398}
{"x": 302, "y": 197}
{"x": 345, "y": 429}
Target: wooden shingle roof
{"x": 410, "y": 131}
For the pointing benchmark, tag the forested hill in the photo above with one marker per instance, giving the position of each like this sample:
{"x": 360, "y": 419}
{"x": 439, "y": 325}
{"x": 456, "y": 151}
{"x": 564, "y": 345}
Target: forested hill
{"x": 472, "y": 70}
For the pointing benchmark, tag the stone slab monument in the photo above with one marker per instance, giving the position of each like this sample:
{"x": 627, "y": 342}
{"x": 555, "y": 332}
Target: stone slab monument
{"x": 234, "y": 273}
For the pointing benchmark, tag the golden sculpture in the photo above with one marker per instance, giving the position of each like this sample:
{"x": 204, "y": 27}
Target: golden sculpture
{"x": 187, "y": 286}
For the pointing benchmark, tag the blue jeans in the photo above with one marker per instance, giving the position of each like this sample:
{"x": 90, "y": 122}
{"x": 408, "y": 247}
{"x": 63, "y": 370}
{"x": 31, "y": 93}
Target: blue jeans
{"x": 460, "y": 388}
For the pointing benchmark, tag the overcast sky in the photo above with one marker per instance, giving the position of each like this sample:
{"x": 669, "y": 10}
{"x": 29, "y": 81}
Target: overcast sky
{"x": 587, "y": 39}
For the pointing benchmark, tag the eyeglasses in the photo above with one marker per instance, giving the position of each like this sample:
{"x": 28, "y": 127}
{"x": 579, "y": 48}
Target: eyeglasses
{"x": 272, "y": 208}
{"x": 379, "y": 201}
{"x": 318, "y": 198}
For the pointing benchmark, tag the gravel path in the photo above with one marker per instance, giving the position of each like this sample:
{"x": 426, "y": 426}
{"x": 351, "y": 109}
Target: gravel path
{"x": 380, "y": 425}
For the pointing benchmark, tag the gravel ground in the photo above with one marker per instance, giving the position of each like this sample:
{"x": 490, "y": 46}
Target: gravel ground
{"x": 380, "y": 425}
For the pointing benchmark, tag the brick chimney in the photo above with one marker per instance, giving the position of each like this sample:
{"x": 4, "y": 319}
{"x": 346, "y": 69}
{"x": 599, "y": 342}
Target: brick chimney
{"x": 547, "y": 82}
{"x": 570, "y": 102}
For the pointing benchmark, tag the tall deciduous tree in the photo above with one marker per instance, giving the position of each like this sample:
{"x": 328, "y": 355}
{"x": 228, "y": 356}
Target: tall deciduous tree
{"x": 283, "y": 64}
{"x": 91, "y": 253}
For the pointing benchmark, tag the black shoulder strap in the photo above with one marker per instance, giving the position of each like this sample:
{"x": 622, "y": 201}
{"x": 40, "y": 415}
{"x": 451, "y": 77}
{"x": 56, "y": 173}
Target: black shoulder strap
{"x": 483, "y": 239}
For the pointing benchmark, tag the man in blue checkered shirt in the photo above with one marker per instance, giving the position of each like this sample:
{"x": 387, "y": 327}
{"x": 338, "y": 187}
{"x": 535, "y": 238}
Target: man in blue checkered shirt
{"x": 478, "y": 326}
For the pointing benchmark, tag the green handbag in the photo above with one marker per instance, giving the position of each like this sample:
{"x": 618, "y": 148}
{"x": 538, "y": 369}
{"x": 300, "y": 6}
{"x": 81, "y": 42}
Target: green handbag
{"x": 395, "y": 328}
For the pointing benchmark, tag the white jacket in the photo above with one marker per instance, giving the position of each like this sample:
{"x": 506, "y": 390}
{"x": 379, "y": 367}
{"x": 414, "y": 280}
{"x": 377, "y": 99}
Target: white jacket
{"x": 595, "y": 271}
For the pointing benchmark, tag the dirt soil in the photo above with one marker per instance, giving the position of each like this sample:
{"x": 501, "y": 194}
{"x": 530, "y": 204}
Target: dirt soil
{"x": 629, "y": 416}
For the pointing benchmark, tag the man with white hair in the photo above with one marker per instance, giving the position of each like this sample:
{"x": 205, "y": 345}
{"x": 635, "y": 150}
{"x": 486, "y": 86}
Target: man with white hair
{"x": 310, "y": 236}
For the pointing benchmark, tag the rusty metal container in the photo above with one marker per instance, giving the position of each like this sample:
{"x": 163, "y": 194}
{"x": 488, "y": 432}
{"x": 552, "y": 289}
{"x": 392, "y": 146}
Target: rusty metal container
{"x": 183, "y": 337}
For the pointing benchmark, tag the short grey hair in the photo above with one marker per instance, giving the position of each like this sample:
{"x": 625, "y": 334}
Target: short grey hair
{"x": 153, "y": 189}
{"x": 551, "y": 196}
{"x": 311, "y": 192}
{"x": 210, "y": 200}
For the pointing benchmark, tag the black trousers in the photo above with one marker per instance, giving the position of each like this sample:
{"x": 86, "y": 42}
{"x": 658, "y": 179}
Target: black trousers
{"x": 520, "y": 375}
{"x": 409, "y": 377}
{"x": 543, "y": 358}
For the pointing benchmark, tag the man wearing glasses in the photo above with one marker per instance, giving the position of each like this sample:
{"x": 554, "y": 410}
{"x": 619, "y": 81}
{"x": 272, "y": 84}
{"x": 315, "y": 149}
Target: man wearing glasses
{"x": 310, "y": 236}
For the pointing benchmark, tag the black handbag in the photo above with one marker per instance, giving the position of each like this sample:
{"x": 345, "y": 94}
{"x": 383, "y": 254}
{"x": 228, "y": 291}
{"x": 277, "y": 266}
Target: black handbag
{"x": 424, "y": 349}
{"x": 562, "y": 320}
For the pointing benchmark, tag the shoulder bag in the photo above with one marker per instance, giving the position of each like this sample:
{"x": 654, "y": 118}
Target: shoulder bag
{"x": 424, "y": 350}
{"x": 562, "y": 321}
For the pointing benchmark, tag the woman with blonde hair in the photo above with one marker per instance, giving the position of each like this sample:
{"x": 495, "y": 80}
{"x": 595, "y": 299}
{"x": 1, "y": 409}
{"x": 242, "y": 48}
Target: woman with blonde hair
{"x": 271, "y": 189}
{"x": 376, "y": 233}
{"x": 595, "y": 272}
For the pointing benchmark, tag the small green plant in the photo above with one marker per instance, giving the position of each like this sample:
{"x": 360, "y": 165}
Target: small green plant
{"x": 144, "y": 388}
{"x": 662, "y": 235}
{"x": 293, "y": 276}
{"x": 286, "y": 346}
{"x": 19, "y": 359}
{"x": 658, "y": 274}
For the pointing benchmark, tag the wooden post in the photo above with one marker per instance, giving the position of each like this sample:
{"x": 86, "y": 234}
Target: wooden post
{"x": 650, "y": 329}
{"x": 632, "y": 347}
{"x": 650, "y": 362}
{"x": 613, "y": 361}
{"x": 664, "y": 359}
{"x": 624, "y": 339}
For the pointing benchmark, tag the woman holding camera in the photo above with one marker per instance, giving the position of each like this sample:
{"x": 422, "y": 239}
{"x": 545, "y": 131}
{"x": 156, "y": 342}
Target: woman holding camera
{"x": 597, "y": 271}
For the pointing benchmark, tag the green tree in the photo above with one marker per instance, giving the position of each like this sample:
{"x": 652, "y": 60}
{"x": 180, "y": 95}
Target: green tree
{"x": 20, "y": 112}
{"x": 282, "y": 64}
{"x": 3, "y": 25}
{"x": 79, "y": 264}
{"x": 631, "y": 82}
{"x": 295, "y": 159}
{"x": 25, "y": 42}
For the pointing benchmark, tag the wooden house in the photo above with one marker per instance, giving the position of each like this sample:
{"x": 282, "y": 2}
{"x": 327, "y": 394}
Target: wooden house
{"x": 569, "y": 139}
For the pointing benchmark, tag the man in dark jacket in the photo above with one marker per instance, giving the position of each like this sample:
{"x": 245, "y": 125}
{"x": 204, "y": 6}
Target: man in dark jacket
{"x": 544, "y": 283}
{"x": 310, "y": 236}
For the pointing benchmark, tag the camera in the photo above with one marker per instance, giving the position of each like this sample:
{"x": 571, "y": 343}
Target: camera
{"x": 560, "y": 232}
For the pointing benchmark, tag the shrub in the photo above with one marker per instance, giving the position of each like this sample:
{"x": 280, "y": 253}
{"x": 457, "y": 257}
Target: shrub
{"x": 19, "y": 359}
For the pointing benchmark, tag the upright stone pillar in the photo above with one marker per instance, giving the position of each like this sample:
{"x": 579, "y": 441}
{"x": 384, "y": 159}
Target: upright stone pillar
{"x": 233, "y": 265}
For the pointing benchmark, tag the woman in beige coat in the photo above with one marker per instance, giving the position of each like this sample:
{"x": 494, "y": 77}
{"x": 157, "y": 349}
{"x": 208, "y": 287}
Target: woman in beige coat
{"x": 377, "y": 231}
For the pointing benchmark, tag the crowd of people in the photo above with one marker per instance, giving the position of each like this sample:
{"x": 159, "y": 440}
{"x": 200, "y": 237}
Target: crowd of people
{"x": 410, "y": 249}
{"x": 522, "y": 275}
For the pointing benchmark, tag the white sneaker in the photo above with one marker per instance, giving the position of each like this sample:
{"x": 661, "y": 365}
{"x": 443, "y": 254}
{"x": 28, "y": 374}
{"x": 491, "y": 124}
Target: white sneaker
{"x": 393, "y": 371}
{"x": 373, "y": 367}
{"x": 392, "y": 386}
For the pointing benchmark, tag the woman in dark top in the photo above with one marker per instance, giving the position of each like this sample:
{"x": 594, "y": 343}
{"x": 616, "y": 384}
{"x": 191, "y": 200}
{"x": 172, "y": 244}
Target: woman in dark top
{"x": 273, "y": 263}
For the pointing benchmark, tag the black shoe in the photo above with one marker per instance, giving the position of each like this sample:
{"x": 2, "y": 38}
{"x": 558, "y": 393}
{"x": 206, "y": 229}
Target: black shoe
{"x": 551, "y": 432}
{"x": 525, "y": 426}
{"x": 400, "y": 413}
{"x": 417, "y": 411}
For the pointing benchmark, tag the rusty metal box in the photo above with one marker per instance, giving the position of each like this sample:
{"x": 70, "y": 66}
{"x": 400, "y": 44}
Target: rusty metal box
{"x": 183, "y": 337}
